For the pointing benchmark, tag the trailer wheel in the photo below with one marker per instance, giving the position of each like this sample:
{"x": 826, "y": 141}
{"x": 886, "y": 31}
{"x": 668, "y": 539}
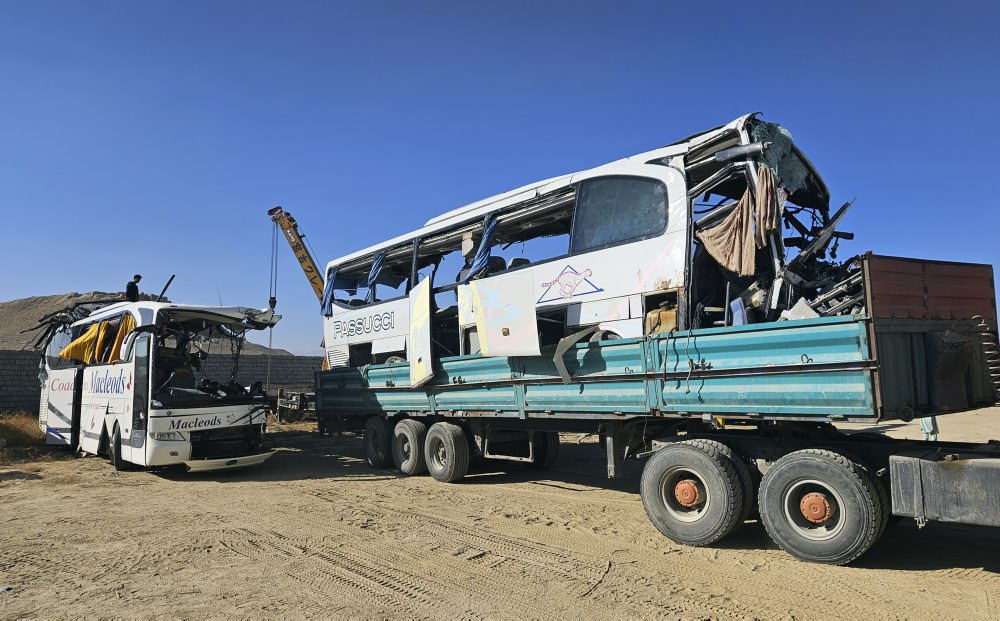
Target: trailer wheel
{"x": 408, "y": 446}
{"x": 377, "y": 438}
{"x": 115, "y": 450}
{"x": 692, "y": 493}
{"x": 546, "y": 450}
{"x": 742, "y": 470}
{"x": 446, "y": 451}
{"x": 820, "y": 506}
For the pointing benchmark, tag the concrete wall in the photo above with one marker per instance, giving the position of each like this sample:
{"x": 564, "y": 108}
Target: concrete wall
{"x": 19, "y": 380}
{"x": 19, "y": 389}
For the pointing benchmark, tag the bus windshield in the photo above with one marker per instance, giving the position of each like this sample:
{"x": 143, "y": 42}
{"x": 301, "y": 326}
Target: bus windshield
{"x": 196, "y": 361}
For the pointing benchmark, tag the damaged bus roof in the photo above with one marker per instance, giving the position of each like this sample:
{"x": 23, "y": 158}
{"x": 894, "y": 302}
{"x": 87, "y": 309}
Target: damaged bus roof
{"x": 148, "y": 311}
{"x": 736, "y": 132}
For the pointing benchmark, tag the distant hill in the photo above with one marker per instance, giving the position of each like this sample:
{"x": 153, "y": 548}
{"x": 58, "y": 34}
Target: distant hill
{"x": 19, "y": 315}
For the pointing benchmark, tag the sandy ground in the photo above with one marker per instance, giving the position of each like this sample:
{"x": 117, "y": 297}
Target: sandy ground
{"x": 315, "y": 532}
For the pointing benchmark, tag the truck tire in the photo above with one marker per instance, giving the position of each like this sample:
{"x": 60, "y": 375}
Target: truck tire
{"x": 321, "y": 426}
{"x": 820, "y": 506}
{"x": 446, "y": 451}
{"x": 546, "y": 450}
{"x": 742, "y": 470}
{"x": 377, "y": 437}
{"x": 691, "y": 492}
{"x": 408, "y": 446}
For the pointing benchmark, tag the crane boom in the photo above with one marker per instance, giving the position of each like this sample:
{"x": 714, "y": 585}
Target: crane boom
{"x": 290, "y": 229}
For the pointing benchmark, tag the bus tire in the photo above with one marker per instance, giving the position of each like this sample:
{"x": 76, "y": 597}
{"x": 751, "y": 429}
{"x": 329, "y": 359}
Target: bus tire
{"x": 377, "y": 439}
{"x": 546, "y": 450}
{"x": 115, "y": 450}
{"x": 820, "y": 506}
{"x": 446, "y": 451}
{"x": 692, "y": 493}
{"x": 408, "y": 446}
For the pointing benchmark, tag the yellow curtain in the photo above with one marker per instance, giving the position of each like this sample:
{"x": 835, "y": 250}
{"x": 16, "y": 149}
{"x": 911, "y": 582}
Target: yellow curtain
{"x": 127, "y": 325}
{"x": 82, "y": 348}
{"x": 102, "y": 335}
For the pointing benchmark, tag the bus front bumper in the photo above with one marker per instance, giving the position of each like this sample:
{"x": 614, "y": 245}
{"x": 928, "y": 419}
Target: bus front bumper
{"x": 205, "y": 465}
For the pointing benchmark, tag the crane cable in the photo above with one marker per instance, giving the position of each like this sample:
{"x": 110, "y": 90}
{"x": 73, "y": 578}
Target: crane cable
{"x": 272, "y": 300}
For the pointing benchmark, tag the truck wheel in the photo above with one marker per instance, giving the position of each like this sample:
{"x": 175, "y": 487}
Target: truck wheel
{"x": 115, "y": 450}
{"x": 820, "y": 506}
{"x": 321, "y": 426}
{"x": 546, "y": 450}
{"x": 377, "y": 442}
{"x": 408, "y": 446}
{"x": 742, "y": 471}
{"x": 691, "y": 492}
{"x": 446, "y": 451}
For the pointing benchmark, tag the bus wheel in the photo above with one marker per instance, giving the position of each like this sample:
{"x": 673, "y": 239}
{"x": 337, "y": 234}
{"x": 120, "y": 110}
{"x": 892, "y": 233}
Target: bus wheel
{"x": 447, "y": 452}
{"x": 820, "y": 506}
{"x": 692, "y": 493}
{"x": 408, "y": 446}
{"x": 546, "y": 450}
{"x": 115, "y": 450}
{"x": 377, "y": 442}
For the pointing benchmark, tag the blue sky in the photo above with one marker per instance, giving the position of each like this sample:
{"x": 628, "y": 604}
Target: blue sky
{"x": 152, "y": 136}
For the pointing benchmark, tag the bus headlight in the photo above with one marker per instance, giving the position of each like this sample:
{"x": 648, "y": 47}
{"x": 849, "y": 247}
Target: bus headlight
{"x": 165, "y": 435}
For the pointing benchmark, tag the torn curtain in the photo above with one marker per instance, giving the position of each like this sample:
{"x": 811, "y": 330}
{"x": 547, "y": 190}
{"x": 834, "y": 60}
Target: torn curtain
{"x": 734, "y": 241}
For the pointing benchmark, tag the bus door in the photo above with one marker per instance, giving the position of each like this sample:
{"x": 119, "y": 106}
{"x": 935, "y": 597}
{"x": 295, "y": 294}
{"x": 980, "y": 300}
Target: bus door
{"x": 62, "y": 407}
{"x": 137, "y": 408}
{"x": 419, "y": 343}
{"x": 504, "y": 312}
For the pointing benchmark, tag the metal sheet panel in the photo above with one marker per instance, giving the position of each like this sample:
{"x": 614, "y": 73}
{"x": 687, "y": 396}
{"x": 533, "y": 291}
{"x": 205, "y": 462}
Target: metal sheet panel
{"x": 419, "y": 351}
{"x": 779, "y": 344}
{"x": 590, "y": 312}
{"x": 607, "y": 397}
{"x": 821, "y": 394}
{"x": 504, "y": 308}
{"x": 475, "y": 398}
{"x": 472, "y": 369}
{"x": 921, "y": 289}
{"x": 589, "y": 360}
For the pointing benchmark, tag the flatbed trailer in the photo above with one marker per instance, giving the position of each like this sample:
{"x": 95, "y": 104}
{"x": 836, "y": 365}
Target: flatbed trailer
{"x": 733, "y": 419}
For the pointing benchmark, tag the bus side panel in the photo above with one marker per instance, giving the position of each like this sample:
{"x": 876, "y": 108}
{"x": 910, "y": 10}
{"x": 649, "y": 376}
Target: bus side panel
{"x": 61, "y": 397}
{"x": 105, "y": 391}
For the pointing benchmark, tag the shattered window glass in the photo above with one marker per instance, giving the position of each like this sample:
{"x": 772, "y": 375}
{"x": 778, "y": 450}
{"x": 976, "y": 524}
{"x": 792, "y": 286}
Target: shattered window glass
{"x": 613, "y": 210}
{"x": 60, "y": 340}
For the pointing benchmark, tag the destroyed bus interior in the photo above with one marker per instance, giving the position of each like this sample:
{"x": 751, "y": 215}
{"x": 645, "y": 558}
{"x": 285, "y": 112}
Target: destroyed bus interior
{"x": 184, "y": 343}
{"x": 743, "y": 197}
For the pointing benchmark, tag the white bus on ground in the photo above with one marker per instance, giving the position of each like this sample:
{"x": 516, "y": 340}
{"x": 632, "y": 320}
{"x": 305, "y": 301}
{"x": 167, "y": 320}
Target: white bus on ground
{"x": 132, "y": 381}
{"x": 612, "y": 250}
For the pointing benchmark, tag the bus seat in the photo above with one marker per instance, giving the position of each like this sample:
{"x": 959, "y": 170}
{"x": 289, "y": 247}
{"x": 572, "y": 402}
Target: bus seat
{"x": 495, "y": 265}
{"x": 517, "y": 262}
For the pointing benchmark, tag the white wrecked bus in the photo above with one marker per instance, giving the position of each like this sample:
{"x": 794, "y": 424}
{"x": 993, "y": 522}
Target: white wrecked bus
{"x": 141, "y": 382}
